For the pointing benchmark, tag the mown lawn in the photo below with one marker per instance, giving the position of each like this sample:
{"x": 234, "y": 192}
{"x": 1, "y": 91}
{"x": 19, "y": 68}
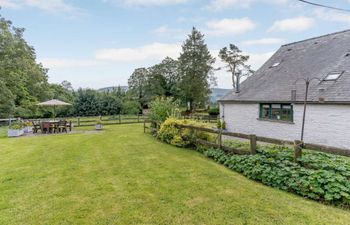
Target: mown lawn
{"x": 122, "y": 176}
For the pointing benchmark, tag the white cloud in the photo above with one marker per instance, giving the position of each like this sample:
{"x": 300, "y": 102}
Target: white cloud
{"x": 9, "y": 4}
{"x": 230, "y": 26}
{"x": 170, "y": 32}
{"x": 51, "y": 6}
{"x": 155, "y": 51}
{"x": 217, "y": 5}
{"x": 147, "y": 54}
{"x": 296, "y": 24}
{"x": 147, "y": 2}
{"x": 257, "y": 60}
{"x": 332, "y": 16}
{"x": 264, "y": 41}
{"x": 69, "y": 63}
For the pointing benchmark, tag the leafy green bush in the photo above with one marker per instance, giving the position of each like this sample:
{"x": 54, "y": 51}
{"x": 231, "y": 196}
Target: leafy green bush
{"x": 173, "y": 135}
{"x": 317, "y": 176}
{"x": 214, "y": 111}
{"x": 131, "y": 107}
{"x": 162, "y": 108}
{"x": 16, "y": 125}
{"x": 241, "y": 145}
{"x": 221, "y": 124}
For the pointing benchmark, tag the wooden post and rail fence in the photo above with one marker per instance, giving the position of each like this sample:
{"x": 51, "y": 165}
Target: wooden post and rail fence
{"x": 253, "y": 140}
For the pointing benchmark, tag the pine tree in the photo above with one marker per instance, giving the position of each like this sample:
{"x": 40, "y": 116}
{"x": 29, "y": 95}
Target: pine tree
{"x": 236, "y": 64}
{"x": 195, "y": 68}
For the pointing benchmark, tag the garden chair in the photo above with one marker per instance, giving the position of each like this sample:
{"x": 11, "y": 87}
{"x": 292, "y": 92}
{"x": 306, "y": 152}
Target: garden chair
{"x": 47, "y": 127}
{"x": 62, "y": 126}
{"x": 36, "y": 127}
{"x": 69, "y": 126}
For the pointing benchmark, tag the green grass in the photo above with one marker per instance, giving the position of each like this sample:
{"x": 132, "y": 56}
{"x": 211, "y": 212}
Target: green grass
{"x": 122, "y": 176}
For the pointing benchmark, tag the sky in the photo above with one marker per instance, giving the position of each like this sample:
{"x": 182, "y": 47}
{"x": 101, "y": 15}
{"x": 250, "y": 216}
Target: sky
{"x": 99, "y": 43}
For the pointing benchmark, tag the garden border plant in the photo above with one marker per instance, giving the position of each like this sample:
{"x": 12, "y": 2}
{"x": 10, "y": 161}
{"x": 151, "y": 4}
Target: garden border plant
{"x": 319, "y": 176}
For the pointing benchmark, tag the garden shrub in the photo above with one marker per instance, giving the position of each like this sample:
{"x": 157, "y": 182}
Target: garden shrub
{"x": 240, "y": 145}
{"x": 214, "y": 111}
{"x": 17, "y": 125}
{"x": 317, "y": 176}
{"x": 170, "y": 134}
{"x": 162, "y": 108}
{"x": 131, "y": 107}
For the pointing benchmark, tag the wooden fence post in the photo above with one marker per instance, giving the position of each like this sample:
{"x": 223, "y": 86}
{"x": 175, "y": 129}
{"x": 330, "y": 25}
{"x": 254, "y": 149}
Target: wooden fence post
{"x": 78, "y": 121}
{"x": 120, "y": 119}
{"x": 298, "y": 146}
{"x": 253, "y": 144}
{"x": 138, "y": 118}
{"x": 144, "y": 126}
{"x": 220, "y": 138}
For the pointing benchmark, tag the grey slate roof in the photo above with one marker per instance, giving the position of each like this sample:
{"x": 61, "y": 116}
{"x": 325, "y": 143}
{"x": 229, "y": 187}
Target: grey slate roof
{"x": 315, "y": 57}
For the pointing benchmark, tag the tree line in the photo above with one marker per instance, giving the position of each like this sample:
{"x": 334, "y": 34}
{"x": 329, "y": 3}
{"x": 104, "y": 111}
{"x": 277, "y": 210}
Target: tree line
{"x": 189, "y": 78}
{"x": 24, "y": 82}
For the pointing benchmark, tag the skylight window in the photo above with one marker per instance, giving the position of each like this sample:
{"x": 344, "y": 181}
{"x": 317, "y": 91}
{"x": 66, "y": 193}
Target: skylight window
{"x": 332, "y": 76}
{"x": 275, "y": 64}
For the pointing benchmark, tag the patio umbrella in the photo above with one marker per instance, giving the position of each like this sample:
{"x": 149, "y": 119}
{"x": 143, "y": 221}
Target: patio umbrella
{"x": 53, "y": 103}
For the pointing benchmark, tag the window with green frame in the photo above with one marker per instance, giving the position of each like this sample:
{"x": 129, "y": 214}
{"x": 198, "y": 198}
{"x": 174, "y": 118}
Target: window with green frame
{"x": 272, "y": 111}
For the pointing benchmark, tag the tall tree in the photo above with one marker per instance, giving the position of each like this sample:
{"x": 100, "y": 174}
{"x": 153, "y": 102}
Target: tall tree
{"x": 195, "y": 68}
{"x": 163, "y": 79}
{"x": 25, "y": 80}
{"x": 137, "y": 85}
{"x": 7, "y": 103}
{"x": 236, "y": 64}
{"x": 86, "y": 103}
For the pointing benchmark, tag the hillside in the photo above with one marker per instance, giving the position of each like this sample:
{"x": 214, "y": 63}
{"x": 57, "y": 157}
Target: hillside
{"x": 216, "y": 94}
{"x": 107, "y": 89}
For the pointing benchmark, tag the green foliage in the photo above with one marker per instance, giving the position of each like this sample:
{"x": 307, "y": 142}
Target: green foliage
{"x": 146, "y": 84}
{"x": 214, "y": 111}
{"x": 98, "y": 122}
{"x": 241, "y": 145}
{"x": 7, "y": 104}
{"x": 131, "y": 107}
{"x": 27, "y": 123}
{"x": 195, "y": 69}
{"x": 317, "y": 176}
{"x": 221, "y": 124}
{"x": 89, "y": 102}
{"x": 173, "y": 135}
{"x": 111, "y": 178}
{"x": 17, "y": 125}
{"x": 163, "y": 79}
{"x": 218, "y": 124}
{"x": 236, "y": 64}
{"x": 162, "y": 108}
{"x": 86, "y": 102}
{"x": 137, "y": 85}
{"x": 23, "y": 82}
